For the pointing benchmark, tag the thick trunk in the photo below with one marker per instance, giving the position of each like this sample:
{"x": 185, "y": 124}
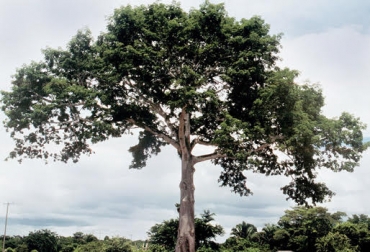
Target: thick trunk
{"x": 186, "y": 231}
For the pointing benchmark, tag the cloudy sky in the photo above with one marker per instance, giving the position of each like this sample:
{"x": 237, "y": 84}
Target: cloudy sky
{"x": 327, "y": 41}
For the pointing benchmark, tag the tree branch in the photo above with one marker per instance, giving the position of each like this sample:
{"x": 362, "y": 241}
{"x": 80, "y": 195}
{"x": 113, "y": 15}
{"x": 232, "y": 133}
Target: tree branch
{"x": 153, "y": 106}
{"x": 166, "y": 138}
{"x": 197, "y": 141}
{"x": 54, "y": 102}
{"x": 214, "y": 155}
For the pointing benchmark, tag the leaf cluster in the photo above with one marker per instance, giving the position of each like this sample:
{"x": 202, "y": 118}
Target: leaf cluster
{"x": 158, "y": 64}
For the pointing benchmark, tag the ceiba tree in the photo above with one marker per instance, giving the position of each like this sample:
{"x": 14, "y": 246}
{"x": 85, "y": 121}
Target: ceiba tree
{"x": 184, "y": 79}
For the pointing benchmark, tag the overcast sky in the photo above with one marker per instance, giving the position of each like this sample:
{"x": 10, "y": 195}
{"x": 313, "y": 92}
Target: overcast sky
{"x": 327, "y": 41}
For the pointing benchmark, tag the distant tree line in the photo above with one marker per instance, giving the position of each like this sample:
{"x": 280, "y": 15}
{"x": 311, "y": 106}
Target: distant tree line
{"x": 304, "y": 229}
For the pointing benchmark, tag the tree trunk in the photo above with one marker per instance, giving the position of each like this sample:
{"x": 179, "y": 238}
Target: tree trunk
{"x": 186, "y": 231}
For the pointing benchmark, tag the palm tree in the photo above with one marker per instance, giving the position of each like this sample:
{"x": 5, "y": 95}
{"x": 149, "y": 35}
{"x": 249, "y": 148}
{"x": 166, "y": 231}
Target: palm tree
{"x": 268, "y": 232}
{"x": 244, "y": 230}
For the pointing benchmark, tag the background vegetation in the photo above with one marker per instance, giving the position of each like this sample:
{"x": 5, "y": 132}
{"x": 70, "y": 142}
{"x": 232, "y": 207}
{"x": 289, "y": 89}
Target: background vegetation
{"x": 299, "y": 229}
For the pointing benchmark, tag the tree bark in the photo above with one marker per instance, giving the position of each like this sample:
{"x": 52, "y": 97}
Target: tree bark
{"x": 186, "y": 231}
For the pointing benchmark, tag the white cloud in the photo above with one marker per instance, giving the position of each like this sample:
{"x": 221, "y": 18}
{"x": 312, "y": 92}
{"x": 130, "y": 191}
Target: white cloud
{"x": 296, "y": 18}
{"x": 338, "y": 60}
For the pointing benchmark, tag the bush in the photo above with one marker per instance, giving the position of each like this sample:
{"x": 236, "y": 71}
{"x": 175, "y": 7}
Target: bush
{"x": 118, "y": 245}
{"x": 96, "y": 246}
{"x": 157, "y": 248}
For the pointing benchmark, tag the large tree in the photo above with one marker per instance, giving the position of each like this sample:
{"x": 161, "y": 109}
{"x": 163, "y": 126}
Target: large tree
{"x": 42, "y": 241}
{"x": 304, "y": 226}
{"x": 184, "y": 79}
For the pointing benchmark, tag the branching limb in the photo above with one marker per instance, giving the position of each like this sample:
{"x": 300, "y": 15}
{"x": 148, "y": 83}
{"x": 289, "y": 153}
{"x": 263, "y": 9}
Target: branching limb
{"x": 166, "y": 138}
{"x": 50, "y": 101}
{"x": 198, "y": 141}
{"x": 217, "y": 154}
{"x": 155, "y": 107}
{"x": 210, "y": 156}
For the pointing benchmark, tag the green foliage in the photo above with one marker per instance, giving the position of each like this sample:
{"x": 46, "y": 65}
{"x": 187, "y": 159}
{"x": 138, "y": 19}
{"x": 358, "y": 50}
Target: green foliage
{"x": 78, "y": 238}
{"x": 155, "y": 64}
{"x": 266, "y": 236}
{"x": 96, "y": 246}
{"x": 185, "y": 79}
{"x": 42, "y": 241}
{"x": 281, "y": 238}
{"x": 118, "y": 245}
{"x": 253, "y": 250}
{"x": 22, "y": 248}
{"x": 244, "y": 230}
{"x": 90, "y": 238}
{"x": 12, "y": 241}
{"x": 302, "y": 226}
{"x": 234, "y": 244}
{"x": 363, "y": 223}
{"x": 165, "y": 233}
{"x": 68, "y": 248}
{"x": 360, "y": 219}
{"x": 206, "y": 231}
{"x": 304, "y": 229}
{"x": 357, "y": 233}
{"x": 157, "y": 248}
{"x": 299, "y": 229}
{"x": 66, "y": 244}
{"x": 334, "y": 242}
{"x": 147, "y": 146}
